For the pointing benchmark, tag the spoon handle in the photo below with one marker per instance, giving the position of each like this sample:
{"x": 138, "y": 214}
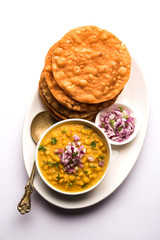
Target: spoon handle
{"x": 24, "y": 205}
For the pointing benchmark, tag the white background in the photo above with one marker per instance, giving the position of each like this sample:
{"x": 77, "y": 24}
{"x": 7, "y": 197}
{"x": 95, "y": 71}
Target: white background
{"x": 27, "y": 30}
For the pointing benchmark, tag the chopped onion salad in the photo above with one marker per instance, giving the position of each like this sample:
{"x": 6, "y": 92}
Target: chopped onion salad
{"x": 118, "y": 123}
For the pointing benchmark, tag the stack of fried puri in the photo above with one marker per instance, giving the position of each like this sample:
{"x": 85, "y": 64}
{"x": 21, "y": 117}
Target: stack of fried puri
{"x": 84, "y": 72}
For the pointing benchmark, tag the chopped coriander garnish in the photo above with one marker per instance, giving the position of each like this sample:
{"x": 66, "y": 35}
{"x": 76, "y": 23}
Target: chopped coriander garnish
{"x": 74, "y": 154}
{"x": 84, "y": 185}
{"x": 101, "y": 157}
{"x": 76, "y": 175}
{"x": 52, "y": 164}
{"x": 93, "y": 166}
{"x": 120, "y": 128}
{"x": 86, "y": 127}
{"x": 102, "y": 125}
{"x": 112, "y": 122}
{"x": 121, "y": 109}
{"x": 85, "y": 171}
{"x": 53, "y": 140}
{"x": 93, "y": 144}
{"x": 64, "y": 131}
{"x": 125, "y": 116}
{"x": 69, "y": 184}
{"x": 42, "y": 148}
{"x": 58, "y": 176}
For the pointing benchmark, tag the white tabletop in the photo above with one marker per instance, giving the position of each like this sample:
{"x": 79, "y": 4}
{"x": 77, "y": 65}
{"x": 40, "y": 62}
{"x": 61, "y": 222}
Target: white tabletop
{"x": 28, "y": 29}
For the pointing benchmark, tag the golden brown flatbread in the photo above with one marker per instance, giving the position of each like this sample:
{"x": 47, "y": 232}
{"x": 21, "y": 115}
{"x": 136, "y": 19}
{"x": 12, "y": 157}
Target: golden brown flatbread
{"x": 56, "y": 106}
{"x": 47, "y": 107}
{"x": 91, "y": 65}
{"x": 55, "y": 114}
{"x": 65, "y": 99}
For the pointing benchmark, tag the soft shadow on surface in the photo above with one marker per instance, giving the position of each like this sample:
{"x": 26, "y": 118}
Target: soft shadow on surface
{"x": 74, "y": 212}
{"x": 58, "y": 210}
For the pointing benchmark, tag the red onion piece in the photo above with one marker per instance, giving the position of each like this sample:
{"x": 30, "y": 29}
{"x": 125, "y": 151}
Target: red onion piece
{"x": 76, "y": 138}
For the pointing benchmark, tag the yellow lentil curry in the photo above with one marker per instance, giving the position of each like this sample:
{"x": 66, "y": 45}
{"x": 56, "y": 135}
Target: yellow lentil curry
{"x": 72, "y": 157}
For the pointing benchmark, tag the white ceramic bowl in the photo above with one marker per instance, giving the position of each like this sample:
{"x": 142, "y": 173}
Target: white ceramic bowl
{"x": 97, "y": 130}
{"x": 132, "y": 136}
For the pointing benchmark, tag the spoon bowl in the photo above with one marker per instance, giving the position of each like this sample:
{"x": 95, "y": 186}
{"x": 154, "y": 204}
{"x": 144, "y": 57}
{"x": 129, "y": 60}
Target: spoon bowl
{"x": 40, "y": 123}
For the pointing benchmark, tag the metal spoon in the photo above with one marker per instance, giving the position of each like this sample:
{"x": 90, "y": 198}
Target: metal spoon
{"x": 40, "y": 123}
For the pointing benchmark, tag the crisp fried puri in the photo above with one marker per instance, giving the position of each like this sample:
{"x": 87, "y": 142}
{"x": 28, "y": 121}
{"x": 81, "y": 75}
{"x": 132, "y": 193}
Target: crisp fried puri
{"x": 91, "y": 65}
{"x": 62, "y": 97}
{"x": 47, "y": 107}
{"x": 57, "y": 115}
{"x": 56, "y": 106}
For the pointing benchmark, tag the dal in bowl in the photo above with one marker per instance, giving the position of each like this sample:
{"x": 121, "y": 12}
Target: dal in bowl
{"x": 73, "y": 156}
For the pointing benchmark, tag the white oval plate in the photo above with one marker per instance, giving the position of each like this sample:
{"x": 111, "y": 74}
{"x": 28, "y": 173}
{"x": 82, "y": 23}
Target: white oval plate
{"x": 123, "y": 157}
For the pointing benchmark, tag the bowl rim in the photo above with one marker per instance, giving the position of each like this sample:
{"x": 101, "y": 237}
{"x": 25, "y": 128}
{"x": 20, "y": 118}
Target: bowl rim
{"x": 132, "y": 136}
{"x": 78, "y": 121}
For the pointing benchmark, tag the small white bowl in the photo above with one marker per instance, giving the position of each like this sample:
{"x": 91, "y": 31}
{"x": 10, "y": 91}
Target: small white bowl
{"x": 97, "y": 130}
{"x": 132, "y": 136}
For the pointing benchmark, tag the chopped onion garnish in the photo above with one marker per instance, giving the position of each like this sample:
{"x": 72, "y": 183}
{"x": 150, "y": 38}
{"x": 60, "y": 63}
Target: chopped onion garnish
{"x": 71, "y": 157}
{"x": 91, "y": 159}
{"x": 118, "y": 123}
{"x": 101, "y": 163}
{"x": 59, "y": 150}
{"x": 76, "y": 138}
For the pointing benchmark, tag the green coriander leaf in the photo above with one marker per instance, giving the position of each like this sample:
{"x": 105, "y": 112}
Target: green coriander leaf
{"x": 53, "y": 140}
{"x": 83, "y": 186}
{"x": 42, "y": 148}
{"x": 125, "y": 116}
{"x": 52, "y": 164}
{"x": 120, "y": 128}
{"x": 111, "y": 122}
{"x": 85, "y": 171}
{"x": 93, "y": 144}
{"x": 74, "y": 154}
{"x": 121, "y": 109}
{"x": 64, "y": 131}
{"x": 58, "y": 176}
{"x": 93, "y": 166}
{"x": 86, "y": 127}
{"x": 102, "y": 125}
{"x": 69, "y": 184}
{"x": 101, "y": 157}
